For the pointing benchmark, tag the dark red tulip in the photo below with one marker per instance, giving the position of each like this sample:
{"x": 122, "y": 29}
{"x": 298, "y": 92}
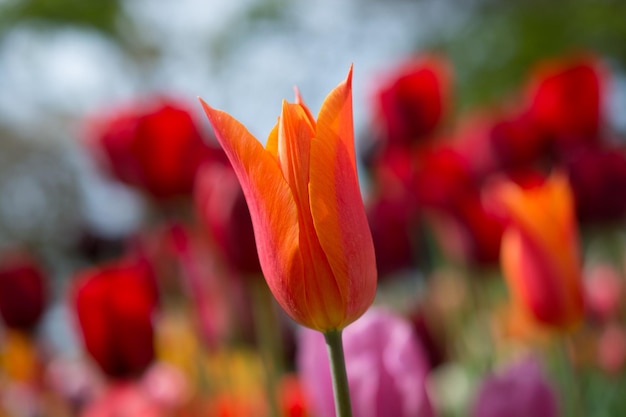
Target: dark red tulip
{"x": 598, "y": 181}
{"x": 517, "y": 143}
{"x": 566, "y": 100}
{"x": 442, "y": 176}
{"x": 482, "y": 227}
{"x": 23, "y": 291}
{"x": 115, "y": 304}
{"x": 446, "y": 187}
{"x": 411, "y": 103}
{"x": 392, "y": 217}
{"x": 157, "y": 148}
{"x": 223, "y": 210}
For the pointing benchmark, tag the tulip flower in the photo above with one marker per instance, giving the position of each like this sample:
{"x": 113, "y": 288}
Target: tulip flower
{"x": 223, "y": 210}
{"x": 311, "y": 231}
{"x": 566, "y": 100}
{"x": 596, "y": 175}
{"x": 115, "y": 304}
{"x": 156, "y": 148}
{"x": 413, "y": 101}
{"x": 23, "y": 292}
{"x": 540, "y": 253}
{"x": 392, "y": 216}
{"x": 387, "y": 368}
{"x": 517, "y": 142}
{"x": 466, "y": 228}
{"x": 520, "y": 390}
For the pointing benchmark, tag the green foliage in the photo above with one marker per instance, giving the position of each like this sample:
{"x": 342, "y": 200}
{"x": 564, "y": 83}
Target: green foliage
{"x": 100, "y": 14}
{"x": 494, "y": 49}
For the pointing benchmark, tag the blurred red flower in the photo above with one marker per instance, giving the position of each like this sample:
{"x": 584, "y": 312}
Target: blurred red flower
{"x": 412, "y": 101}
{"x": 466, "y": 227}
{"x": 566, "y": 100}
{"x": 516, "y": 142}
{"x": 224, "y": 212}
{"x": 115, "y": 304}
{"x": 442, "y": 174}
{"x": 392, "y": 216}
{"x": 157, "y": 148}
{"x": 598, "y": 180}
{"x": 23, "y": 291}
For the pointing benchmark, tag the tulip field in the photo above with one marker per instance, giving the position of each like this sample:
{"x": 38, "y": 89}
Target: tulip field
{"x": 424, "y": 234}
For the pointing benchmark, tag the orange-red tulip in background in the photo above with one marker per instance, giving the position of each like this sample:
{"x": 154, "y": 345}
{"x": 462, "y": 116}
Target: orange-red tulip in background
{"x": 540, "y": 253}
{"x": 312, "y": 235}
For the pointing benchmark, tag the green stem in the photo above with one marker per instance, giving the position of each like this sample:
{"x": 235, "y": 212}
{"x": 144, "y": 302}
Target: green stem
{"x": 268, "y": 335}
{"x": 572, "y": 390}
{"x": 338, "y": 371}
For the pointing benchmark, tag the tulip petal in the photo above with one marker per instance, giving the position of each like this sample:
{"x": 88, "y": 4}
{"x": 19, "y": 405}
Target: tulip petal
{"x": 271, "y": 204}
{"x": 335, "y": 117}
{"x": 272, "y": 142}
{"x": 531, "y": 278}
{"x": 300, "y": 101}
{"x": 338, "y": 212}
{"x": 294, "y": 142}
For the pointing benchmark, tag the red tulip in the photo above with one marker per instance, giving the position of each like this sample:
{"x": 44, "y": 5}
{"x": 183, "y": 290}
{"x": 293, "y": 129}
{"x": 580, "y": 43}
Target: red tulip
{"x": 115, "y": 304}
{"x": 598, "y": 179}
{"x": 566, "y": 100}
{"x": 23, "y": 291}
{"x": 223, "y": 209}
{"x": 446, "y": 187}
{"x": 157, "y": 148}
{"x": 412, "y": 101}
{"x": 517, "y": 143}
{"x": 302, "y": 188}
{"x": 392, "y": 217}
{"x": 442, "y": 175}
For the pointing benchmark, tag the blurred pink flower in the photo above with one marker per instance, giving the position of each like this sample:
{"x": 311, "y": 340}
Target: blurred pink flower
{"x": 386, "y": 367}
{"x": 125, "y": 399}
{"x": 612, "y": 349}
{"x": 604, "y": 291}
{"x": 520, "y": 390}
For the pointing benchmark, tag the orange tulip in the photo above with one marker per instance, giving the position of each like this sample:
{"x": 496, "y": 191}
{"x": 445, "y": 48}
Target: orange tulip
{"x": 312, "y": 235}
{"x": 540, "y": 253}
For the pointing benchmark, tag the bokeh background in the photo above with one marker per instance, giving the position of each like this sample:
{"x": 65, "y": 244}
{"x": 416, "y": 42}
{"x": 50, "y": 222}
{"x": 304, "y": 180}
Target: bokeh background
{"x": 64, "y": 63}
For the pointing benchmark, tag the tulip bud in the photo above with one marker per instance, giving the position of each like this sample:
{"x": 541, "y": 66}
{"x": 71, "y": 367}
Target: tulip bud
{"x": 23, "y": 292}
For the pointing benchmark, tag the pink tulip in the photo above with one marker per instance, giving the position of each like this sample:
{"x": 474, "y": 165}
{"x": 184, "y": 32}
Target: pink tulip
{"x": 520, "y": 390}
{"x": 386, "y": 367}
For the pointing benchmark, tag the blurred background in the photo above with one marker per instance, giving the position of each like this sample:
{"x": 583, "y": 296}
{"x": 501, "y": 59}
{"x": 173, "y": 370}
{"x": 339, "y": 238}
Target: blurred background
{"x": 75, "y": 75}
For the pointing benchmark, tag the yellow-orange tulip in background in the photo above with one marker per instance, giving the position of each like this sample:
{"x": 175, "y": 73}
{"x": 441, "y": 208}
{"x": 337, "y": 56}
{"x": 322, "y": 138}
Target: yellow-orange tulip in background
{"x": 310, "y": 227}
{"x": 540, "y": 252}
